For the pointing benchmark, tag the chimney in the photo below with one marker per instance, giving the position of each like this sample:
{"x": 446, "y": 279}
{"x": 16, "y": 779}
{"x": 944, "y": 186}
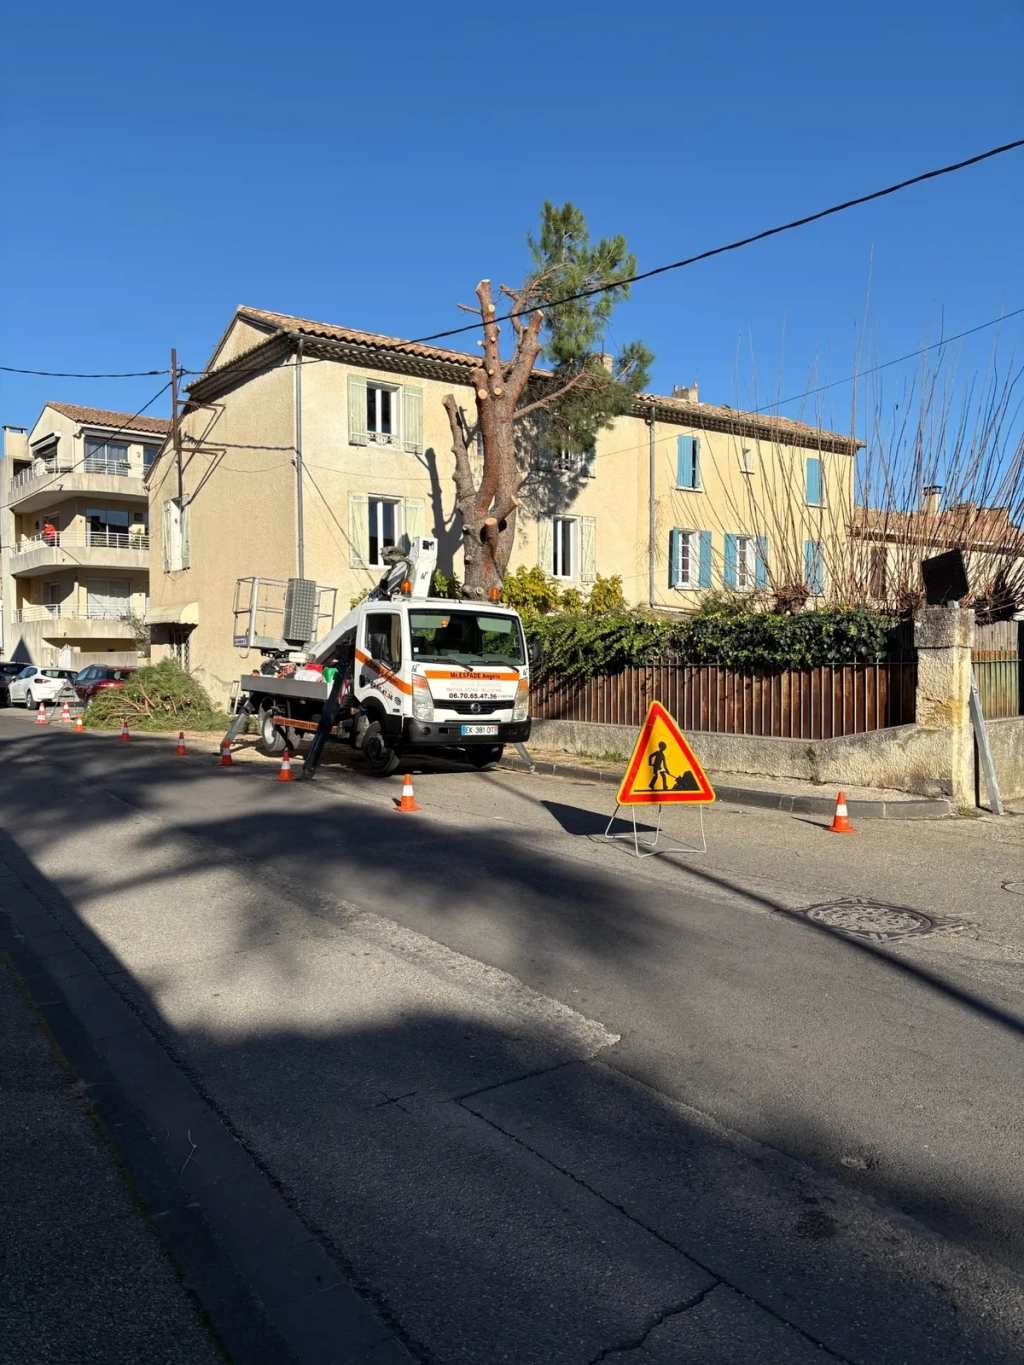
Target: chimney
{"x": 932, "y": 500}
{"x": 688, "y": 393}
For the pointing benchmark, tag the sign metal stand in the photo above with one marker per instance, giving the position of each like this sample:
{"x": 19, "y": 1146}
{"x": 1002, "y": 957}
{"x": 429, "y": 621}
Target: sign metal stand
{"x": 650, "y": 846}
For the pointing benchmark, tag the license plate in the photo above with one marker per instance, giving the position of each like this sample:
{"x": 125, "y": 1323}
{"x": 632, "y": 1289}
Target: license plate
{"x": 479, "y": 729}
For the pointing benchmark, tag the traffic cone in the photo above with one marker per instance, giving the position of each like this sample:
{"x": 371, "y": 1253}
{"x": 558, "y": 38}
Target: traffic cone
{"x": 841, "y": 824}
{"x": 125, "y": 736}
{"x": 41, "y": 715}
{"x": 79, "y": 727}
{"x": 408, "y": 801}
{"x": 181, "y": 743}
{"x": 225, "y": 755}
{"x": 65, "y": 714}
{"x": 285, "y": 775}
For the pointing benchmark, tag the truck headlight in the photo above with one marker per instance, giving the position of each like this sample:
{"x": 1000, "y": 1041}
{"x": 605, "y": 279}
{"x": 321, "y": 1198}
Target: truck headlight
{"x": 522, "y": 707}
{"x": 422, "y": 701}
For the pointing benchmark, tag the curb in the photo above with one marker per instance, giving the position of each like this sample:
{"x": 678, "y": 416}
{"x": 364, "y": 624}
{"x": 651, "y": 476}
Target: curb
{"x": 924, "y": 809}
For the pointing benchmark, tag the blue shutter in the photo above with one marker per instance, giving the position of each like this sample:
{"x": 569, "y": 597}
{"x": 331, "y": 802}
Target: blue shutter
{"x": 761, "y": 562}
{"x": 730, "y": 562}
{"x": 704, "y": 581}
{"x": 673, "y": 557}
{"x": 696, "y": 461}
{"x": 814, "y": 575}
{"x": 814, "y": 481}
{"x": 686, "y": 462}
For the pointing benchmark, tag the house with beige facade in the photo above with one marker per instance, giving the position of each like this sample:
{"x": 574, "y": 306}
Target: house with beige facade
{"x": 74, "y": 531}
{"x": 306, "y": 449}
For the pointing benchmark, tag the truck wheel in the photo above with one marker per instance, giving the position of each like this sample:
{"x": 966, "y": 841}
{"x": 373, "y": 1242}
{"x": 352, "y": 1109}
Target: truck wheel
{"x": 271, "y": 741}
{"x": 379, "y": 757}
{"x": 486, "y": 757}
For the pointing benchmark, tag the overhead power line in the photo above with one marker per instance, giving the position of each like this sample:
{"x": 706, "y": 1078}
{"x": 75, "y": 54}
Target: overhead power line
{"x": 69, "y": 374}
{"x": 735, "y": 246}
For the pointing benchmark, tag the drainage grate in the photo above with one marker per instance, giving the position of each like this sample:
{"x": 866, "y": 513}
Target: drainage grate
{"x": 871, "y": 920}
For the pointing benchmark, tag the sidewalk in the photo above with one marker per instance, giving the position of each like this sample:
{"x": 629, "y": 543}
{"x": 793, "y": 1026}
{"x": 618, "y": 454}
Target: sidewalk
{"x": 744, "y": 789}
{"x": 83, "y": 1274}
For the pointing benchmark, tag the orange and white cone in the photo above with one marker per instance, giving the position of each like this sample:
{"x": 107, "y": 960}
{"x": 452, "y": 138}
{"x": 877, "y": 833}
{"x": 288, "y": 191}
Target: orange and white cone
{"x": 408, "y": 801}
{"x": 225, "y": 755}
{"x": 125, "y": 736}
{"x": 79, "y": 727}
{"x": 841, "y": 824}
{"x": 285, "y": 775}
{"x": 180, "y": 749}
{"x": 41, "y": 715}
{"x": 65, "y": 714}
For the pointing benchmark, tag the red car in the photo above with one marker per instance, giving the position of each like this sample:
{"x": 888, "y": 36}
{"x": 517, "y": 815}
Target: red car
{"x": 97, "y": 676}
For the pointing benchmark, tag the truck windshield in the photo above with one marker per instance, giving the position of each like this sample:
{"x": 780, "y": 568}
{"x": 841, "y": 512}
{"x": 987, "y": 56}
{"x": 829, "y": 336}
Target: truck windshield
{"x": 466, "y": 637}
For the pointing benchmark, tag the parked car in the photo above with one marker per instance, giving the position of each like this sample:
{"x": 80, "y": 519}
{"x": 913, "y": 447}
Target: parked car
{"x": 34, "y": 685}
{"x": 7, "y": 673}
{"x": 98, "y": 676}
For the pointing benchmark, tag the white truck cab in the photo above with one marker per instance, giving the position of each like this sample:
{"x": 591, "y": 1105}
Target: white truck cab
{"x": 403, "y": 671}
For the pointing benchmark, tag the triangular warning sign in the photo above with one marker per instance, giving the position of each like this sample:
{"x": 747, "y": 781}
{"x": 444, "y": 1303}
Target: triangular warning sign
{"x": 663, "y": 768}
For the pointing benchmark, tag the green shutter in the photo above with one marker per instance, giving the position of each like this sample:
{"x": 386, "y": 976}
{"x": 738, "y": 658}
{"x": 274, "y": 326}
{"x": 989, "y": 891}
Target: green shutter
{"x": 166, "y": 534}
{"x": 184, "y": 515}
{"x": 546, "y": 545}
{"x": 761, "y": 562}
{"x": 588, "y": 549}
{"x": 731, "y": 576}
{"x": 358, "y": 530}
{"x": 412, "y": 419}
{"x": 673, "y": 557}
{"x": 704, "y": 581}
{"x": 356, "y": 410}
{"x": 413, "y": 515}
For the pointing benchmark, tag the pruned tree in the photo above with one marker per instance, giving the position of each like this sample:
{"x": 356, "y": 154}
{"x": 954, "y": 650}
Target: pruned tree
{"x": 555, "y": 314}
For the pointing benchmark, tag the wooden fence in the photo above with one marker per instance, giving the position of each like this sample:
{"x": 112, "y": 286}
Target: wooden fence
{"x": 815, "y": 703}
{"x": 999, "y": 669}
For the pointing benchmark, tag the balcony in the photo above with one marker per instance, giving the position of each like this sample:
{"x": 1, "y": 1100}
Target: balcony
{"x": 123, "y": 550}
{"x": 62, "y": 622}
{"x": 42, "y": 482}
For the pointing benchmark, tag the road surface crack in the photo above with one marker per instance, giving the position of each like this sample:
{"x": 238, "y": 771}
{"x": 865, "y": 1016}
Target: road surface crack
{"x": 637, "y": 1343}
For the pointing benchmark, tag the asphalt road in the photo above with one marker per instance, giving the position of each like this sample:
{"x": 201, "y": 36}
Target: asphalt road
{"x": 548, "y": 1103}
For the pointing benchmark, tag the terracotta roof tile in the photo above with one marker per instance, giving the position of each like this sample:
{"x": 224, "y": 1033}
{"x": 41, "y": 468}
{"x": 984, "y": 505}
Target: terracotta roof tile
{"x": 967, "y": 523}
{"x": 102, "y": 417}
{"x": 698, "y": 412}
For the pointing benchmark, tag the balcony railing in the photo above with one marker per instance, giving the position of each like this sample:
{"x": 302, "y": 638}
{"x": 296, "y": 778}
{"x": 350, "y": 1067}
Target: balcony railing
{"x": 44, "y": 611}
{"x": 90, "y": 540}
{"x": 92, "y": 464}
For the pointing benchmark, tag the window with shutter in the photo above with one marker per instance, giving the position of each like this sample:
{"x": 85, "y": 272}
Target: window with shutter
{"x": 356, "y": 410}
{"x": 412, "y": 419}
{"x": 761, "y": 562}
{"x": 185, "y": 547}
{"x": 565, "y": 533}
{"x": 815, "y": 485}
{"x": 358, "y": 531}
{"x": 588, "y": 549}
{"x": 413, "y": 520}
{"x": 685, "y": 555}
{"x": 814, "y": 567}
{"x": 704, "y": 580}
{"x": 688, "y": 462}
{"x": 545, "y": 544}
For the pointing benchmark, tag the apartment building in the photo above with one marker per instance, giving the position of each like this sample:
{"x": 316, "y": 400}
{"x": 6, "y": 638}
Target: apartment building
{"x": 74, "y": 530}
{"x": 679, "y": 497}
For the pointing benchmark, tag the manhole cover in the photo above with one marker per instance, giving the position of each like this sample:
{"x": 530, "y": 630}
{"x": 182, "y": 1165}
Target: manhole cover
{"x": 870, "y": 919}
{"x": 1016, "y": 887}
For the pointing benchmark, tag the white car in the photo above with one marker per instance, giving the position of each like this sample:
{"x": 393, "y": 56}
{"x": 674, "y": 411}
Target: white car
{"x": 34, "y": 685}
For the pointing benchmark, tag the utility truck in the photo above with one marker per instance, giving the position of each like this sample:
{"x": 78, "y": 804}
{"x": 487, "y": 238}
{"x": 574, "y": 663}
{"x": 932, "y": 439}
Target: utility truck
{"x": 402, "y": 671}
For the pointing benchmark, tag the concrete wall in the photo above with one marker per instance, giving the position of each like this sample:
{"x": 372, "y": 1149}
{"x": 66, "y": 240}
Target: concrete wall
{"x": 1006, "y": 739}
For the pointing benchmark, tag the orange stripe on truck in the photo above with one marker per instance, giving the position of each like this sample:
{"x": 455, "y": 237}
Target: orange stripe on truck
{"x": 383, "y": 673}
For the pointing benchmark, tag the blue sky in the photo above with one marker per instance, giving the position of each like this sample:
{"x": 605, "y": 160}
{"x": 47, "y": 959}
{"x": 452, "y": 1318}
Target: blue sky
{"x": 367, "y": 164}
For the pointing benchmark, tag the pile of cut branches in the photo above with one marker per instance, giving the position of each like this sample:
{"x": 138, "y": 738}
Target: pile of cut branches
{"x": 160, "y": 697}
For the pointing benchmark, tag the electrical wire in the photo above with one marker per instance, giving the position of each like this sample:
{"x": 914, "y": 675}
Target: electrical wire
{"x": 69, "y": 374}
{"x": 734, "y": 246}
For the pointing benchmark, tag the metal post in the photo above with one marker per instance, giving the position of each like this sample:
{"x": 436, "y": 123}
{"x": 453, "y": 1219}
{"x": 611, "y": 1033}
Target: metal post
{"x": 176, "y": 430}
{"x": 651, "y": 509}
{"x": 988, "y": 767}
{"x": 300, "y": 535}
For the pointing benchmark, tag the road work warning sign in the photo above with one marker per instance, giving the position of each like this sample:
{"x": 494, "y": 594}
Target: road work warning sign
{"x": 663, "y": 769}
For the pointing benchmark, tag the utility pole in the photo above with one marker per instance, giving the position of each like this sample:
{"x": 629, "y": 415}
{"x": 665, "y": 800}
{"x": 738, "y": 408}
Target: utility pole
{"x": 176, "y": 430}
{"x": 301, "y": 539}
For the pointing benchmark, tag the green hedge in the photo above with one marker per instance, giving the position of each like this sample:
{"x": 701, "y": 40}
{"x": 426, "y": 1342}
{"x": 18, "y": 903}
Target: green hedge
{"x": 578, "y": 646}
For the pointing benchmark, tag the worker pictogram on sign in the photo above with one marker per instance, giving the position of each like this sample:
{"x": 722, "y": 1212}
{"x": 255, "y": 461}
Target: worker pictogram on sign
{"x": 662, "y": 771}
{"x": 663, "y": 768}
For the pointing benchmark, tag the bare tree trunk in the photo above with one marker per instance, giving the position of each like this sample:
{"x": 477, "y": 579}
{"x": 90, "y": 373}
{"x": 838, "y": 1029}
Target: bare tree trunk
{"x": 488, "y": 512}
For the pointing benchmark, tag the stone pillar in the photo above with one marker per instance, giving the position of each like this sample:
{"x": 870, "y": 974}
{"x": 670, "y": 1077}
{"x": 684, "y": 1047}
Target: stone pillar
{"x": 944, "y": 638}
